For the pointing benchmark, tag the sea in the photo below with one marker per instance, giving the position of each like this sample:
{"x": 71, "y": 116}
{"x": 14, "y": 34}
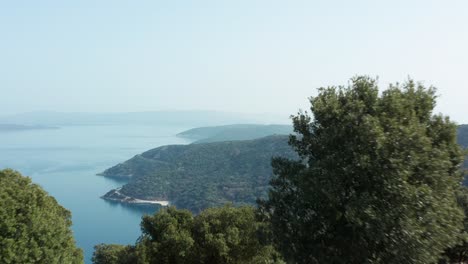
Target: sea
{"x": 65, "y": 161}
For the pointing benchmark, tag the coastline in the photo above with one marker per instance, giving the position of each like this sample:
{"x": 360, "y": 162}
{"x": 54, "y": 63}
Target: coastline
{"x": 117, "y": 196}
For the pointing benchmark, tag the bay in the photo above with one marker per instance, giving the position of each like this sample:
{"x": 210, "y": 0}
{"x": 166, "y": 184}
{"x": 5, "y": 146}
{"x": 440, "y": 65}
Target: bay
{"x": 65, "y": 162}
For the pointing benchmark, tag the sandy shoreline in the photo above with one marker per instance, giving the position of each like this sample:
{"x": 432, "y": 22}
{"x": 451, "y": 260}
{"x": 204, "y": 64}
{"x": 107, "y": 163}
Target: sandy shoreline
{"x": 163, "y": 203}
{"x": 115, "y": 195}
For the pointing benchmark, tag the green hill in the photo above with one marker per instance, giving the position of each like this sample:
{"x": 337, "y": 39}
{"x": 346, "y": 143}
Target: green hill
{"x": 202, "y": 175}
{"x": 198, "y": 176}
{"x": 234, "y": 132}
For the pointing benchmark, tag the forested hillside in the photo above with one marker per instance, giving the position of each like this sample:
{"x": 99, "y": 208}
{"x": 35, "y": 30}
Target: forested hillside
{"x": 199, "y": 176}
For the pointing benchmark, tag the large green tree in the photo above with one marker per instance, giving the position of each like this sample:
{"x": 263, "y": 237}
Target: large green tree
{"x": 230, "y": 235}
{"x": 34, "y": 228}
{"x": 166, "y": 237}
{"x": 114, "y": 254}
{"x": 224, "y": 235}
{"x": 376, "y": 179}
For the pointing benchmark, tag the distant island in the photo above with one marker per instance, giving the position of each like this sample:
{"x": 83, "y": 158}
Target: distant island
{"x": 15, "y": 127}
{"x": 234, "y": 132}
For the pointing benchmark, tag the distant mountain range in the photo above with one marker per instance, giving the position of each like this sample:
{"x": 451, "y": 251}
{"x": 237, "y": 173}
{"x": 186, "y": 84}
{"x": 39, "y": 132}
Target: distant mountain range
{"x": 14, "y": 127}
{"x": 182, "y": 118}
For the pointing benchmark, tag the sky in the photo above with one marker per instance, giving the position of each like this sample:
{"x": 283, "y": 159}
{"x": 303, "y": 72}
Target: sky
{"x": 259, "y": 56}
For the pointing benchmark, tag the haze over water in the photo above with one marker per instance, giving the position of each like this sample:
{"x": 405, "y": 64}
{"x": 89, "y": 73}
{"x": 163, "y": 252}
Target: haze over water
{"x": 65, "y": 162}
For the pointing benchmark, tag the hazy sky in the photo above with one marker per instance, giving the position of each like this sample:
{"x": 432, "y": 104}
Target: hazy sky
{"x": 242, "y": 55}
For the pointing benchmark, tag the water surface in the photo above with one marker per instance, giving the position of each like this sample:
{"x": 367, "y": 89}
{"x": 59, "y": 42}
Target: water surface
{"x": 65, "y": 162}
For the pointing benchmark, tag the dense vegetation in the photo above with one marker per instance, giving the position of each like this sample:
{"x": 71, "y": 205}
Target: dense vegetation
{"x": 199, "y": 176}
{"x": 114, "y": 254}
{"x": 372, "y": 178}
{"x": 234, "y": 132}
{"x": 459, "y": 252}
{"x": 377, "y": 181}
{"x": 222, "y": 235}
{"x": 34, "y": 228}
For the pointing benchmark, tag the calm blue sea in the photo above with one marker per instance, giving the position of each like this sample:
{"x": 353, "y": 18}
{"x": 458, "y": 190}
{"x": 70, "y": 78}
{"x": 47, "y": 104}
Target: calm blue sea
{"x": 65, "y": 162}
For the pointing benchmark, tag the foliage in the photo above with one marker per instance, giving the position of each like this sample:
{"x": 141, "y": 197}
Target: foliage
{"x": 166, "y": 237}
{"x": 229, "y": 235}
{"x": 222, "y": 235}
{"x": 459, "y": 252}
{"x": 113, "y": 254}
{"x": 376, "y": 179}
{"x": 34, "y": 228}
{"x": 199, "y": 176}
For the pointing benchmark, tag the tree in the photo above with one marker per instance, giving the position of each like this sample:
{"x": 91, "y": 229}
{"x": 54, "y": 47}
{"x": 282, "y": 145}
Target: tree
{"x": 34, "y": 228}
{"x": 230, "y": 235}
{"x": 459, "y": 252}
{"x": 375, "y": 182}
{"x": 224, "y": 235}
{"x": 113, "y": 254}
{"x": 166, "y": 237}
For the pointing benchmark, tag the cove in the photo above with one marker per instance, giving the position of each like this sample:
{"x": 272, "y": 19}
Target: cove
{"x": 65, "y": 162}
